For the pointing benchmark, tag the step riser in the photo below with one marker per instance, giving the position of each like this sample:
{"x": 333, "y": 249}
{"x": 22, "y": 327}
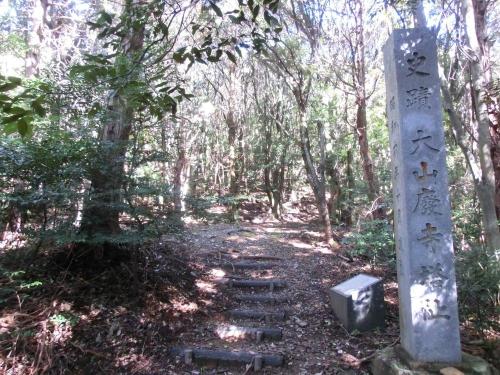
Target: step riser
{"x": 216, "y": 357}
{"x": 258, "y": 257}
{"x": 259, "y": 315}
{"x": 272, "y": 285}
{"x": 256, "y": 334}
{"x": 249, "y": 266}
{"x": 261, "y": 299}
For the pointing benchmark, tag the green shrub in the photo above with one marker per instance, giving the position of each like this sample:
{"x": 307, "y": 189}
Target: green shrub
{"x": 478, "y": 278}
{"x": 374, "y": 241}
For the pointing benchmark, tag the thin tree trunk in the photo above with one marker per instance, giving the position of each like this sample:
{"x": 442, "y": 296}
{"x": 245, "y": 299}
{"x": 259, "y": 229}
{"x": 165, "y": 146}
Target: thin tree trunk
{"x": 34, "y": 39}
{"x": 333, "y": 176}
{"x": 364, "y": 151}
{"x": 234, "y": 141}
{"x": 486, "y": 187}
{"x": 317, "y": 182}
{"x": 361, "y": 120}
{"x": 181, "y": 164}
{"x": 347, "y": 201}
{"x": 267, "y": 160}
{"x": 278, "y": 186}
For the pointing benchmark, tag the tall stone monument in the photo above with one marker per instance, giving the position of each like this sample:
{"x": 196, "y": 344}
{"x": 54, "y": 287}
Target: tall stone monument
{"x": 428, "y": 310}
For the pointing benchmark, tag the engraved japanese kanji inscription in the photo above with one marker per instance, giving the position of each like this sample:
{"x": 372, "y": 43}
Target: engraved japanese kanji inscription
{"x": 428, "y": 310}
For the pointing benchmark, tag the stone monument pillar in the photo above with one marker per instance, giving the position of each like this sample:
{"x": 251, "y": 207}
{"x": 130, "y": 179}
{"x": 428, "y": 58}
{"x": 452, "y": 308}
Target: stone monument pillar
{"x": 428, "y": 310}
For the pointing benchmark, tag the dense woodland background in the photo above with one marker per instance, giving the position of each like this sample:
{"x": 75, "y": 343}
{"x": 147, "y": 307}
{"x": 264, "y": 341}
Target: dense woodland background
{"x": 121, "y": 121}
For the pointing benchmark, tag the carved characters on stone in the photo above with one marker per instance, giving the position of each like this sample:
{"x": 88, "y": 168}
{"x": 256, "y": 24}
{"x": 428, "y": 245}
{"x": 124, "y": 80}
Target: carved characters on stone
{"x": 415, "y": 65}
{"x": 418, "y": 98}
{"x": 433, "y": 276}
{"x": 423, "y": 175}
{"x": 433, "y": 310}
{"x": 431, "y": 238}
{"x": 394, "y": 125}
{"x": 422, "y": 214}
{"x": 428, "y": 202}
{"x": 423, "y": 140}
{"x": 396, "y": 172}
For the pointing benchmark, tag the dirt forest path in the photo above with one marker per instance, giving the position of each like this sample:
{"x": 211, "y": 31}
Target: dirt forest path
{"x": 312, "y": 342}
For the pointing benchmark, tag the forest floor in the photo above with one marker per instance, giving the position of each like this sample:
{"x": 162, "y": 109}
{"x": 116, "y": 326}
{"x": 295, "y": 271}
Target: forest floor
{"x": 124, "y": 316}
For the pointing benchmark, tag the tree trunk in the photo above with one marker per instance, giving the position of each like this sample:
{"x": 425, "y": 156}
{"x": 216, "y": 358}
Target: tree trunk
{"x": 361, "y": 121}
{"x": 267, "y": 160}
{"x": 103, "y": 205}
{"x": 366, "y": 160}
{"x": 486, "y": 187}
{"x": 334, "y": 184}
{"x": 495, "y": 155}
{"x": 235, "y": 158}
{"x": 317, "y": 182}
{"x": 180, "y": 172}
{"x": 347, "y": 201}
{"x": 35, "y": 35}
{"x": 278, "y": 186}
{"x": 163, "y": 167}
{"x": 492, "y": 99}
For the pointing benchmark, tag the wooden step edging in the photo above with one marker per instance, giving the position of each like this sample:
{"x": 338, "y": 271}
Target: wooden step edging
{"x": 248, "y": 266}
{"x": 255, "y": 283}
{"x": 262, "y": 298}
{"x": 257, "y": 360}
{"x": 259, "y": 257}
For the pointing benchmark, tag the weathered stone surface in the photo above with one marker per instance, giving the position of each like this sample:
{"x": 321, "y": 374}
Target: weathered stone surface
{"x": 359, "y": 303}
{"x": 428, "y": 310}
{"x": 389, "y": 362}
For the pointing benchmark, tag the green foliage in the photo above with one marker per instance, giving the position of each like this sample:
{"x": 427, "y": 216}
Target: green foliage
{"x": 13, "y": 43}
{"x": 374, "y": 241}
{"x": 478, "y": 279}
{"x": 46, "y": 178}
{"x": 64, "y": 318}
{"x": 21, "y": 103}
{"x": 17, "y": 283}
{"x": 42, "y": 176}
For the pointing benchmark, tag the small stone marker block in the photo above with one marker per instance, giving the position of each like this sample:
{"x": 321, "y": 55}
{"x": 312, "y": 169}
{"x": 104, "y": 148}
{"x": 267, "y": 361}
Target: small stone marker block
{"x": 359, "y": 303}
